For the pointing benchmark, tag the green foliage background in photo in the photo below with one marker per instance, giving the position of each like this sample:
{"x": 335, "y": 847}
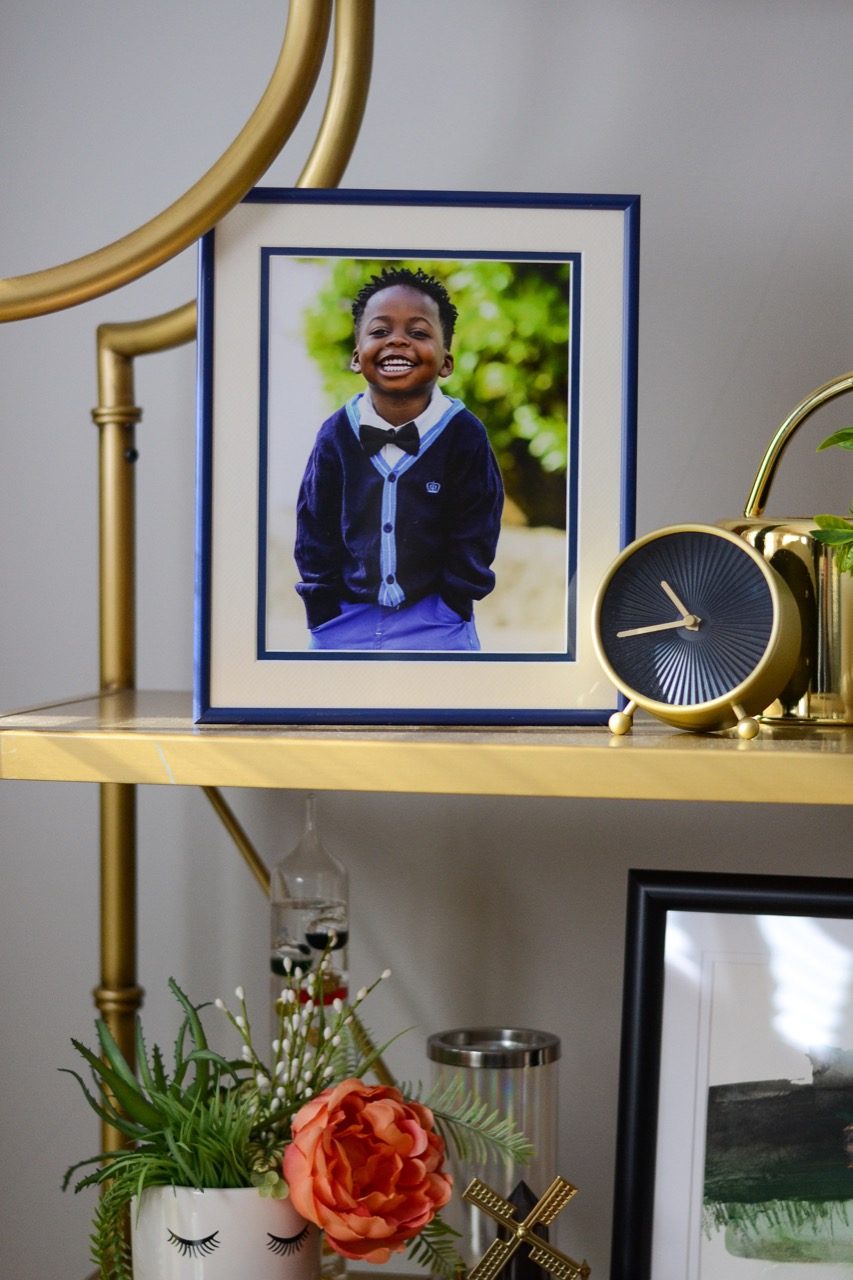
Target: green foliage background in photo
{"x": 511, "y": 362}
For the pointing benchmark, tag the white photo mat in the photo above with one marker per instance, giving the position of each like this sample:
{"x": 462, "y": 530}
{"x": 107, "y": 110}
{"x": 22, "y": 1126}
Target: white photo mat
{"x": 246, "y": 669}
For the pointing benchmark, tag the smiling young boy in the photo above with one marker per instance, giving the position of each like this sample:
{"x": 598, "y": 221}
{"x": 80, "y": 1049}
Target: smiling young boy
{"x": 399, "y": 509}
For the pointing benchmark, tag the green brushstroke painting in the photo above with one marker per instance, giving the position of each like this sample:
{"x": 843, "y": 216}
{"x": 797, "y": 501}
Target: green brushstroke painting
{"x": 778, "y": 1156}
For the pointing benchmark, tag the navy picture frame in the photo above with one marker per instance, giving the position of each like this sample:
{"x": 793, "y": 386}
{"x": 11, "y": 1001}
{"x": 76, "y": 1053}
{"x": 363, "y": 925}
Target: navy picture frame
{"x": 243, "y": 673}
{"x": 652, "y": 898}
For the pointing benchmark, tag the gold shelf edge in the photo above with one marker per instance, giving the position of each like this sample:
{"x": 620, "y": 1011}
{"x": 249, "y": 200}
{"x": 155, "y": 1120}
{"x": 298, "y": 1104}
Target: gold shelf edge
{"x": 131, "y": 744}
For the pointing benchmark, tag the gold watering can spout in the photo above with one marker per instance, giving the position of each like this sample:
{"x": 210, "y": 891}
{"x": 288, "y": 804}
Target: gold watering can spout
{"x": 820, "y": 692}
{"x": 760, "y": 490}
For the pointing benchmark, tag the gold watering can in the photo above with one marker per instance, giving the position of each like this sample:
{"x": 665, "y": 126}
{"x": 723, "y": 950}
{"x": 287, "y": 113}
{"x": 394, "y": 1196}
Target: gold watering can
{"x": 820, "y": 692}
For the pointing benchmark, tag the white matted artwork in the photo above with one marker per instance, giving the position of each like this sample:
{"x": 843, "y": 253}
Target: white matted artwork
{"x": 543, "y": 364}
{"x": 736, "y": 1109}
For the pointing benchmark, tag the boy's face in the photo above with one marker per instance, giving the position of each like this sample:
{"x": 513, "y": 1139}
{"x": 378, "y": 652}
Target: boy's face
{"x": 400, "y": 347}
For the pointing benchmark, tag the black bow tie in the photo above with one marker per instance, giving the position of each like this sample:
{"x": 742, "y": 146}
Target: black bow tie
{"x": 373, "y": 438}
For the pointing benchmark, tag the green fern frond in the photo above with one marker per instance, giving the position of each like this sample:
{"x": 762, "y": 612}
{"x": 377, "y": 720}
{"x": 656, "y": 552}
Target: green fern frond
{"x": 110, "y": 1244}
{"x": 474, "y": 1131}
{"x": 433, "y": 1250}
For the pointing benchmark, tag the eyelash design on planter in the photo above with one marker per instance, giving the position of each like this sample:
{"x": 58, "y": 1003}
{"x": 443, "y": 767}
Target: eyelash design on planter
{"x": 284, "y": 1246}
{"x": 194, "y": 1248}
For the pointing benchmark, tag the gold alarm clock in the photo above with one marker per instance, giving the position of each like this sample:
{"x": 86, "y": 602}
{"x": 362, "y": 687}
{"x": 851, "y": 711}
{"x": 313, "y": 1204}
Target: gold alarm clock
{"x": 696, "y": 627}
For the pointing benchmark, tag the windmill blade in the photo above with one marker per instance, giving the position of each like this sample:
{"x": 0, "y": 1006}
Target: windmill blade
{"x": 491, "y": 1203}
{"x": 553, "y": 1201}
{"x": 557, "y": 1264}
{"x": 493, "y": 1260}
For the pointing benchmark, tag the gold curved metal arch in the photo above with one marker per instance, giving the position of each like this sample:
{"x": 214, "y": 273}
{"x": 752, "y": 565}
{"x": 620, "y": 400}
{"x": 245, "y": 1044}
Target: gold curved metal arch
{"x": 351, "y": 69}
{"x": 325, "y": 166}
{"x": 195, "y": 212}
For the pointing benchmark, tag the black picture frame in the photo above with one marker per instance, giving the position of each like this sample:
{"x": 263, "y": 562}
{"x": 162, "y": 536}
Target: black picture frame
{"x": 653, "y": 898}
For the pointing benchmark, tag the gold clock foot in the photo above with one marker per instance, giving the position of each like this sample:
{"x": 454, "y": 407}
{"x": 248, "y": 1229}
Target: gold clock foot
{"x": 621, "y": 721}
{"x": 747, "y": 726}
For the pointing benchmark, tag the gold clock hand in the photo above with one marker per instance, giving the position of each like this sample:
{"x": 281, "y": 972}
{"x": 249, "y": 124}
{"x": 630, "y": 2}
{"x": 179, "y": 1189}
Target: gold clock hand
{"x": 689, "y": 620}
{"x": 685, "y": 612}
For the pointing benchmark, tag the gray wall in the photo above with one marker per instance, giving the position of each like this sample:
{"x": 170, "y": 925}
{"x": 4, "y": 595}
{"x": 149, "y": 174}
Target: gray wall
{"x": 732, "y": 121}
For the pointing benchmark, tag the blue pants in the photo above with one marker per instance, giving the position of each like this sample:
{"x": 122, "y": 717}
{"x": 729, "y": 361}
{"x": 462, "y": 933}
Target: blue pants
{"x": 428, "y": 624}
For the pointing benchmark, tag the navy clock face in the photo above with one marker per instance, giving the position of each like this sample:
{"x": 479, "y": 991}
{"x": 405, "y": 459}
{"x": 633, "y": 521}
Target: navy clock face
{"x": 685, "y": 617}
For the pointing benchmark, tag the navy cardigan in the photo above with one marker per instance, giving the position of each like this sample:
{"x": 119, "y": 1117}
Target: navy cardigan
{"x": 372, "y": 533}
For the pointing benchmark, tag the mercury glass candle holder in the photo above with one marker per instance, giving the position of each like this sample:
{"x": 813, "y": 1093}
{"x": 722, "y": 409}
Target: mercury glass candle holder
{"x": 513, "y": 1070}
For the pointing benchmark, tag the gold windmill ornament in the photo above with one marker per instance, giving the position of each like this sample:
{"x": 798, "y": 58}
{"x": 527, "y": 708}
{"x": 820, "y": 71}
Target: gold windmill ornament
{"x": 543, "y": 1214}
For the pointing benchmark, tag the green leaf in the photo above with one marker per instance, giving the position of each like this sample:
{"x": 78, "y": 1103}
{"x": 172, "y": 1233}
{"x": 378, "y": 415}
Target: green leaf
{"x": 107, "y": 1112}
{"x": 114, "y": 1055}
{"x": 476, "y": 1132}
{"x": 833, "y": 522}
{"x": 91, "y": 1179}
{"x": 197, "y": 1031}
{"x": 833, "y": 537}
{"x": 367, "y": 1062}
{"x": 842, "y": 439}
{"x": 432, "y": 1250}
{"x": 187, "y": 1176}
{"x": 131, "y": 1100}
{"x": 836, "y": 532}
{"x": 160, "y": 1077}
{"x": 143, "y": 1068}
{"x": 271, "y": 1184}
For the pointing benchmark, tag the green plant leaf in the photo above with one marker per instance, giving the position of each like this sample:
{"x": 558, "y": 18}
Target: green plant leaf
{"x": 131, "y": 1100}
{"x": 188, "y": 1177}
{"x": 160, "y": 1077}
{"x": 476, "y": 1131}
{"x": 271, "y": 1185}
{"x": 836, "y": 532}
{"x": 833, "y": 522}
{"x": 833, "y": 537}
{"x": 197, "y": 1032}
{"x": 106, "y": 1111}
{"x": 842, "y": 439}
{"x": 844, "y": 558}
{"x": 142, "y": 1067}
{"x": 433, "y": 1250}
{"x": 366, "y": 1063}
{"x": 114, "y": 1055}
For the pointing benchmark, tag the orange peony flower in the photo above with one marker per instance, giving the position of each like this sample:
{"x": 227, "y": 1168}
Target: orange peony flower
{"x": 365, "y": 1166}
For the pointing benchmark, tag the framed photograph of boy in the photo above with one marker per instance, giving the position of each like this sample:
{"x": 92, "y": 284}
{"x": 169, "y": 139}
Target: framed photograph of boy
{"x": 416, "y": 443}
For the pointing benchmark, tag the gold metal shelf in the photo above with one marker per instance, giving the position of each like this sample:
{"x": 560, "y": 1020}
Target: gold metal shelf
{"x": 150, "y": 737}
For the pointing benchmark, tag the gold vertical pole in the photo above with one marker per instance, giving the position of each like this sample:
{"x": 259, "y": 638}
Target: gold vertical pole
{"x": 118, "y": 996}
{"x": 116, "y": 416}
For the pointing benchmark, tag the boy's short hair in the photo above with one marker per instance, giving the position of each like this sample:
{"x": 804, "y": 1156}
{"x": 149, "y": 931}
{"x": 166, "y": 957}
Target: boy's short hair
{"x": 420, "y": 280}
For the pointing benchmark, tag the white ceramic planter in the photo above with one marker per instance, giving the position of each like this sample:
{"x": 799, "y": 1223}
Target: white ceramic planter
{"x": 178, "y": 1233}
